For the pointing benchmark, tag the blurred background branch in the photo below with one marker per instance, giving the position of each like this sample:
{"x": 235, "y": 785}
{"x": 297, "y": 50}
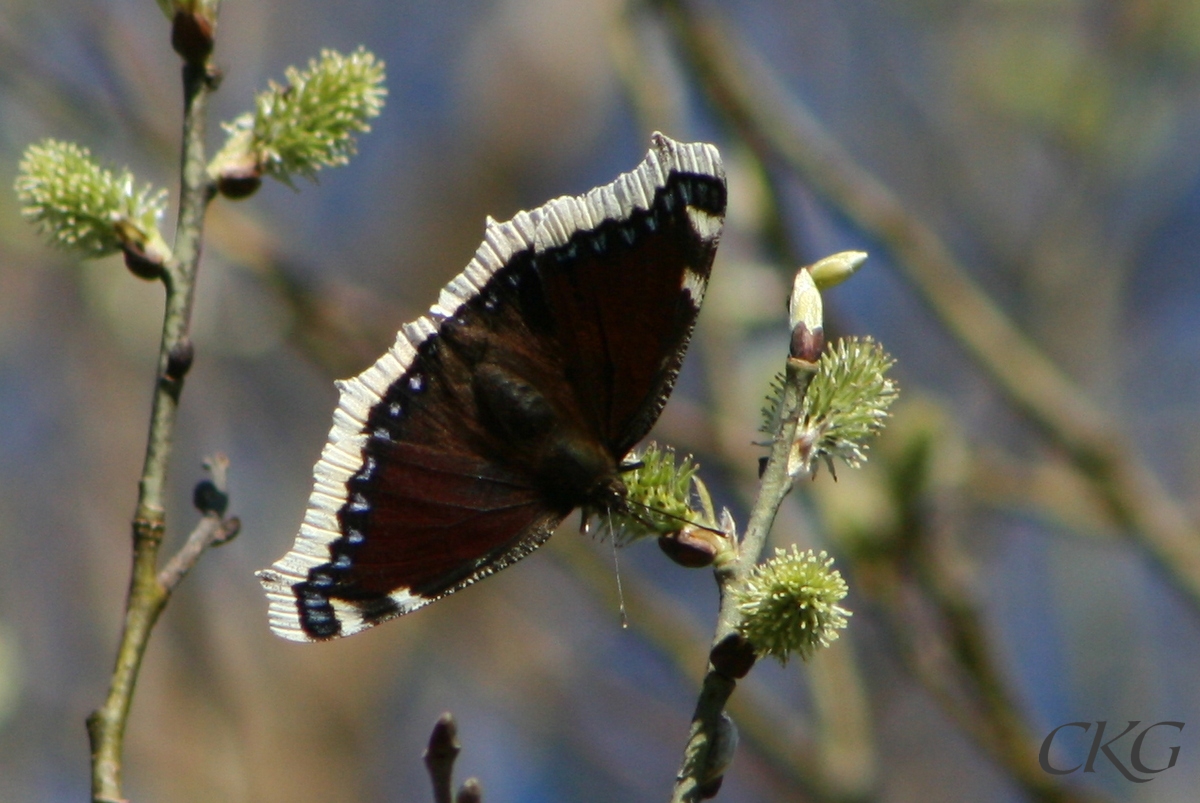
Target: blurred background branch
{"x": 776, "y": 125}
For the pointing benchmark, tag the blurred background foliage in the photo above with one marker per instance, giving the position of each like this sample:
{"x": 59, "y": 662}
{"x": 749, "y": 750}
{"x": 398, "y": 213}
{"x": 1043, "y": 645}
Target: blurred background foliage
{"x": 1051, "y": 144}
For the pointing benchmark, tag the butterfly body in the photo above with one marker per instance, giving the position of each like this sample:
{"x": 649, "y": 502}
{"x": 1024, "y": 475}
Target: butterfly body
{"x": 510, "y": 404}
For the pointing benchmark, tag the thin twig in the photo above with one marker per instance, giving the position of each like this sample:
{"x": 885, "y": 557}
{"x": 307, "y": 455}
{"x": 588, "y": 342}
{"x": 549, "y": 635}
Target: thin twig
{"x": 210, "y": 531}
{"x": 213, "y": 529}
{"x": 147, "y": 594}
{"x": 695, "y": 772}
{"x": 775, "y": 124}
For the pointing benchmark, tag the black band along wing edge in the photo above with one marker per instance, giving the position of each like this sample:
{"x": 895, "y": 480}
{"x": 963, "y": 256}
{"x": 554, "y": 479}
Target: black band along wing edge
{"x": 413, "y": 498}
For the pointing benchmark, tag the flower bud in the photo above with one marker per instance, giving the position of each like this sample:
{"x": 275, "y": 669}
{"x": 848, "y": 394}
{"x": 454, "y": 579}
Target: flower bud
{"x": 470, "y": 792}
{"x": 179, "y": 359}
{"x": 207, "y": 498}
{"x": 140, "y": 264}
{"x": 720, "y": 756}
{"x": 733, "y": 656}
{"x": 694, "y": 547}
{"x": 238, "y": 182}
{"x": 686, "y": 549}
{"x": 443, "y": 741}
{"x": 806, "y": 317}
{"x": 789, "y": 604}
{"x": 709, "y": 789}
{"x": 192, "y": 34}
{"x": 836, "y": 268}
{"x": 807, "y": 344}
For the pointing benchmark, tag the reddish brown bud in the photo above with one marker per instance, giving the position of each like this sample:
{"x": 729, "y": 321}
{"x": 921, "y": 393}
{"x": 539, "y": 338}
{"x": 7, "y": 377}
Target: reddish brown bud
{"x": 807, "y": 344}
{"x": 192, "y": 35}
{"x": 179, "y": 359}
{"x": 141, "y": 264}
{"x": 733, "y": 656}
{"x": 443, "y": 741}
{"x": 709, "y": 789}
{"x": 692, "y": 547}
{"x": 470, "y": 792}
{"x": 240, "y": 182}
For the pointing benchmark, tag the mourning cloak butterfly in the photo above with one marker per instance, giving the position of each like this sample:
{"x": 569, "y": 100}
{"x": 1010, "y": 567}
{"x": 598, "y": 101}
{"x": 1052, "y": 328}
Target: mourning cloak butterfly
{"x": 510, "y": 404}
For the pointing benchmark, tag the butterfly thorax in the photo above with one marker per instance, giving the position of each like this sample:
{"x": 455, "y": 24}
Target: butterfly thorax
{"x": 570, "y": 467}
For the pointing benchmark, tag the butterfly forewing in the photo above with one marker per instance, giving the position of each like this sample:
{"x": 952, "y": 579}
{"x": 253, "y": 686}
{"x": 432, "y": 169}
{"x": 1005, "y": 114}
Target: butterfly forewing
{"x": 625, "y": 296}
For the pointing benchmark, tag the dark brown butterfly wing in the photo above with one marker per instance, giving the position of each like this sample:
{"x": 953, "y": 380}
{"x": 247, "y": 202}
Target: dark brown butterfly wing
{"x": 510, "y": 403}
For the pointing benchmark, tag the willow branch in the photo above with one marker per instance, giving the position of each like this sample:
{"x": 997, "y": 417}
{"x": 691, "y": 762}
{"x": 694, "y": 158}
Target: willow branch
{"x": 147, "y": 592}
{"x": 775, "y": 124}
{"x": 695, "y": 772}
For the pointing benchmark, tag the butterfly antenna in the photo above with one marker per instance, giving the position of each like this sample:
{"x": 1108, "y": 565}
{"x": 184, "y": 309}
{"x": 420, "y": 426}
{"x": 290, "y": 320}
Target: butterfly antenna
{"x": 617, "y": 571}
{"x": 646, "y": 521}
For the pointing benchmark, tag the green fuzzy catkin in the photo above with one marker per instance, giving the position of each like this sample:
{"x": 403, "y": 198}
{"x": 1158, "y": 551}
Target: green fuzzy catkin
{"x": 846, "y": 403}
{"x": 659, "y": 493}
{"x": 770, "y": 410}
{"x": 789, "y": 604}
{"x": 310, "y": 123}
{"x": 79, "y": 205}
{"x": 848, "y": 399}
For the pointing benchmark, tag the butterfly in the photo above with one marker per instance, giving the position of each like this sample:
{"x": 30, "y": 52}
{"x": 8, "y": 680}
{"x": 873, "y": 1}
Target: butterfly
{"x": 512, "y": 402}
